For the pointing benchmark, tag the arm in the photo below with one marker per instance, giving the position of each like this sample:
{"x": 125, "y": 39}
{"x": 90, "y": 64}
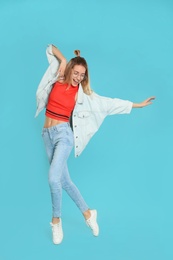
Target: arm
{"x": 143, "y": 103}
{"x": 63, "y": 62}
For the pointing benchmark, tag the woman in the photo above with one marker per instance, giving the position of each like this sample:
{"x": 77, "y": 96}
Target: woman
{"x": 65, "y": 89}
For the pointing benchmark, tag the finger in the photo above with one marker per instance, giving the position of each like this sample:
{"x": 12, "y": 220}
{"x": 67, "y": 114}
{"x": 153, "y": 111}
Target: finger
{"x": 152, "y": 98}
{"x": 149, "y": 99}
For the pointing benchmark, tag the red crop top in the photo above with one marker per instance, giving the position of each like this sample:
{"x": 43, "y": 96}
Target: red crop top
{"x": 61, "y": 101}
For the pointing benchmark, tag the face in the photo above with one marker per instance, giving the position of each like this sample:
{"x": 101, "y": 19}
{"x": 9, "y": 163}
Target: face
{"x": 77, "y": 75}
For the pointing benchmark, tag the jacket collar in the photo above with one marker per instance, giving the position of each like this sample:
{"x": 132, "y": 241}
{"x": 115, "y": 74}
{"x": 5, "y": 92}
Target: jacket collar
{"x": 80, "y": 95}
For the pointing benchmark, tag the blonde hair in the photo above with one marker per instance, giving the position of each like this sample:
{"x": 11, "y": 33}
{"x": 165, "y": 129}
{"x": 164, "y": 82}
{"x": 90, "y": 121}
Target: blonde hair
{"x": 70, "y": 65}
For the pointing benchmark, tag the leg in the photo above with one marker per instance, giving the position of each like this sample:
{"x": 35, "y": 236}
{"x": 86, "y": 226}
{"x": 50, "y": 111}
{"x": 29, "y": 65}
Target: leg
{"x": 59, "y": 142}
{"x": 58, "y": 146}
{"x": 89, "y": 215}
{"x": 72, "y": 190}
{"x": 60, "y": 156}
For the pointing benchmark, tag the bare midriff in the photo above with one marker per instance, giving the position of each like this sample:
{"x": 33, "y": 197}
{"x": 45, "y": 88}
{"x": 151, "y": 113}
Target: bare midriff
{"x": 49, "y": 122}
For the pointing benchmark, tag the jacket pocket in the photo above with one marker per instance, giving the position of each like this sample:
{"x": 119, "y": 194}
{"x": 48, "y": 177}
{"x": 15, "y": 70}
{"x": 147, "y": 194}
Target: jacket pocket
{"x": 83, "y": 114}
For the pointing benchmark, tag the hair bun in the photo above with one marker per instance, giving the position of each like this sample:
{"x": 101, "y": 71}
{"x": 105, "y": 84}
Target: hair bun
{"x": 77, "y": 53}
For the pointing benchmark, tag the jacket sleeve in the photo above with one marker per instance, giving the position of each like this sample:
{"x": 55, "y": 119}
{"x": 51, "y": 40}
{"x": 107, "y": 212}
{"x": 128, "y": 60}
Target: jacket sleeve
{"x": 118, "y": 106}
{"x": 112, "y": 106}
{"x": 53, "y": 61}
{"x": 49, "y": 77}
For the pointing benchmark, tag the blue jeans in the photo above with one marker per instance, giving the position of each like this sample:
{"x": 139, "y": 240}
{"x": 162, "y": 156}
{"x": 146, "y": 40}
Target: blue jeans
{"x": 59, "y": 142}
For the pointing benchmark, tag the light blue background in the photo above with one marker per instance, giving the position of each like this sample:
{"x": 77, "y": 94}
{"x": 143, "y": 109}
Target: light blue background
{"x": 126, "y": 170}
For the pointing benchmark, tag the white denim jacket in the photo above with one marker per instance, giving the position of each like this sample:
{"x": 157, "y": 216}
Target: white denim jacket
{"x": 89, "y": 111}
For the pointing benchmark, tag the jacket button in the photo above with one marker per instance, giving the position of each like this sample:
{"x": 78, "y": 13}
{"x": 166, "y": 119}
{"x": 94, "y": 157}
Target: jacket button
{"x": 75, "y": 125}
{"x": 76, "y": 146}
{"x": 76, "y": 136}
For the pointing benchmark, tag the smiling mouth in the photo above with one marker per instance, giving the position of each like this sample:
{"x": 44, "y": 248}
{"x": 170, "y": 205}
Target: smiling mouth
{"x": 75, "y": 82}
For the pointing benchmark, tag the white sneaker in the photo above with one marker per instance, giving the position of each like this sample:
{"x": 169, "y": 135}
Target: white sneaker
{"x": 92, "y": 222}
{"x": 57, "y": 232}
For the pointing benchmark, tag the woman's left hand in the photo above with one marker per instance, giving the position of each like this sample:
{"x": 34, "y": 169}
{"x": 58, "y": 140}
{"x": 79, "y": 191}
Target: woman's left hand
{"x": 144, "y": 103}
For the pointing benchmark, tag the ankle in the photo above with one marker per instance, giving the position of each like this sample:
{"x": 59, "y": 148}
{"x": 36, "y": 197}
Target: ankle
{"x": 55, "y": 220}
{"x": 87, "y": 214}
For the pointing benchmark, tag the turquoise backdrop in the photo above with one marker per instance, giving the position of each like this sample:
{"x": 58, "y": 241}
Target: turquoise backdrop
{"x": 126, "y": 170}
